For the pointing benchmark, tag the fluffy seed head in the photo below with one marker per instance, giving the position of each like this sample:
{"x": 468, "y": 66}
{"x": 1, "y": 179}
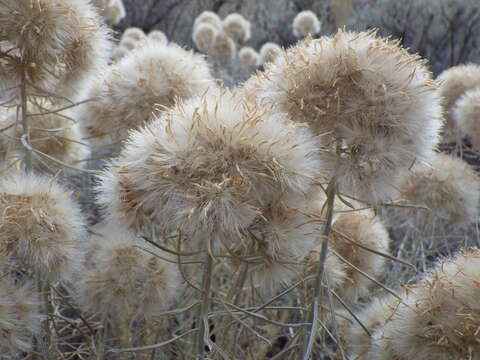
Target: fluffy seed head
{"x": 52, "y": 134}
{"x": 277, "y": 242}
{"x": 208, "y": 17}
{"x": 366, "y": 229}
{"x": 454, "y": 82}
{"x": 158, "y": 36}
{"x": 129, "y": 43}
{"x": 114, "y": 12}
{"x": 203, "y": 37}
{"x": 134, "y": 33}
{"x": 449, "y": 188}
{"x": 374, "y": 316}
{"x": 124, "y": 279}
{"x": 52, "y": 42}
{"x": 128, "y": 92}
{"x": 335, "y": 270}
{"x": 208, "y": 166}
{"x": 120, "y": 52}
{"x": 19, "y": 317}
{"x": 466, "y": 116}
{"x": 439, "y": 316}
{"x": 374, "y": 105}
{"x": 237, "y": 27}
{"x": 269, "y": 52}
{"x": 306, "y": 23}
{"x": 224, "y": 46}
{"x": 41, "y": 226}
{"x": 249, "y": 57}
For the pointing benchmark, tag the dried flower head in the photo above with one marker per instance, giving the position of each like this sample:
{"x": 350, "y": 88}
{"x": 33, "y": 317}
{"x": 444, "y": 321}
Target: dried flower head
{"x": 128, "y": 276}
{"x": 128, "y": 92}
{"x": 237, "y": 27}
{"x": 277, "y": 242}
{"x": 41, "y": 226}
{"x": 269, "y": 52}
{"x": 454, "y": 82}
{"x": 158, "y": 36}
{"x": 335, "y": 270}
{"x": 374, "y": 105}
{"x": 208, "y": 166}
{"x": 224, "y": 46}
{"x": 208, "y": 17}
{"x": 249, "y": 57}
{"x": 203, "y": 37}
{"x": 374, "y": 316}
{"x": 113, "y": 11}
{"x": 439, "y": 316}
{"x": 449, "y": 188}
{"x": 466, "y": 116}
{"x": 50, "y": 43}
{"x": 129, "y": 43}
{"x": 306, "y": 23}
{"x": 19, "y": 317}
{"x": 120, "y": 52}
{"x": 365, "y": 229}
{"x": 134, "y": 33}
{"x": 53, "y": 134}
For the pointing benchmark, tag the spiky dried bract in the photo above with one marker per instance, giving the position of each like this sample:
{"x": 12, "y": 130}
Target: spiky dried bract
{"x": 237, "y": 27}
{"x": 158, "y": 36}
{"x": 134, "y": 33}
{"x": 249, "y": 57}
{"x": 41, "y": 226}
{"x": 466, "y": 116}
{"x": 439, "y": 316}
{"x": 128, "y": 92}
{"x": 19, "y": 317}
{"x": 374, "y": 316}
{"x": 59, "y": 45}
{"x": 269, "y": 52}
{"x": 53, "y": 134}
{"x": 374, "y": 105}
{"x": 224, "y": 46}
{"x": 449, "y": 188}
{"x": 306, "y": 23}
{"x": 454, "y": 82}
{"x": 208, "y": 166}
{"x": 126, "y": 279}
{"x": 365, "y": 229}
{"x": 208, "y": 17}
{"x": 203, "y": 37}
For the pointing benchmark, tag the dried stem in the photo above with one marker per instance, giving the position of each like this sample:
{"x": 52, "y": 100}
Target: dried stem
{"x": 202, "y": 319}
{"x": 317, "y": 299}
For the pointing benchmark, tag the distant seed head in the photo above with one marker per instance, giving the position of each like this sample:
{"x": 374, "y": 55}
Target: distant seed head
{"x": 208, "y": 166}
{"x": 237, "y": 27}
{"x": 151, "y": 76}
{"x": 120, "y": 52}
{"x": 466, "y": 116}
{"x": 373, "y": 104}
{"x": 449, "y": 188}
{"x": 203, "y": 37}
{"x": 269, "y": 52}
{"x": 306, "y": 23}
{"x": 224, "y": 46}
{"x": 134, "y": 33}
{"x": 114, "y": 12}
{"x": 365, "y": 229}
{"x": 249, "y": 57}
{"x": 439, "y": 315}
{"x": 52, "y": 42}
{"x": 129, "y": 43}
{"x": 41, "y": 226}
{"x": 158, "y": 36}
{"x": 125, "y": 279}
{"x": 19, "y": 317}
{"x": 208, "y": 17}
{"x": 454, "y": 82}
